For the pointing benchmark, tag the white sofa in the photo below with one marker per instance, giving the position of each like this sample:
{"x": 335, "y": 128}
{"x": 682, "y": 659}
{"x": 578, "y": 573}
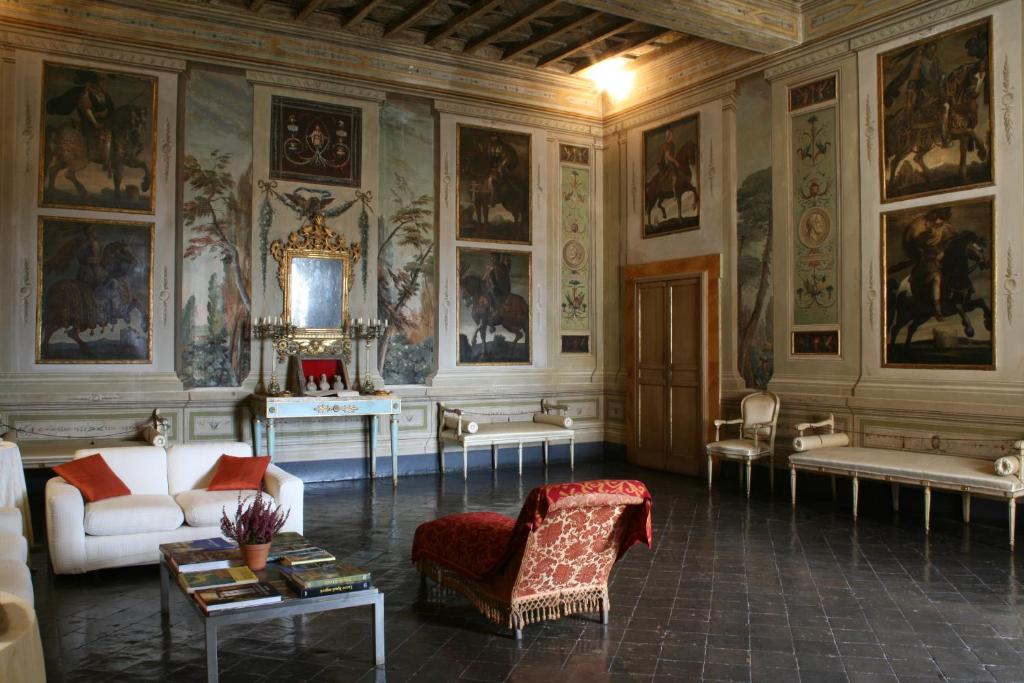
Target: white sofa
{"x": 14, "y": 573}
{"x": 169, "y": 502}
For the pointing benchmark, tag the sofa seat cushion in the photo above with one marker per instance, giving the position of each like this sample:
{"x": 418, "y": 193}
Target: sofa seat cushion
{"x": 15, "y": 578}
{"x": 135, "y": 514}
{"x": 743, "y": 448}
{"x": 13, "y": 547}
{"x": 204, "y": 508}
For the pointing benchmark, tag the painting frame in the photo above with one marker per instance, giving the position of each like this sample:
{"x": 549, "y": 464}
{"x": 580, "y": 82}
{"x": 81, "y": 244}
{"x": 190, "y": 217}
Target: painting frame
{"x": 280, "y": 105}
{"x": 460, "y": 255}
{"x": 797, "y": 348}
{"x": 43, "y": 171}
{"x": 885, "y": 195}
{"x": 689, "y": 223}
{"x": 41, "y": 286}
{"x": 462, "y": 229}
{"x": 884, "y": 219}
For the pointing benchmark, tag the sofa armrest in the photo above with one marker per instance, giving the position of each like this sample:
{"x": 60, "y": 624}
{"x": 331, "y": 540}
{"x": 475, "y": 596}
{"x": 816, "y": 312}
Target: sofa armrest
{"x": 10, "y": 521}
{"x": 65, "y": 527}
{"x": 287, "y": 490}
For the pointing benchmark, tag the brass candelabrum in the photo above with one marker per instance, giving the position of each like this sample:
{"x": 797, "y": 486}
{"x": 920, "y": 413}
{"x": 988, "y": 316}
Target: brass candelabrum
{"x": 368, "y": 330}
{"x": 280, "y": 332}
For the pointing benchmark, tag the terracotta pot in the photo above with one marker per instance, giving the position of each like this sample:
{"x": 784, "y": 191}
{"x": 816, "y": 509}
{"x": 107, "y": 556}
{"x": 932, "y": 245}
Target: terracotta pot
{"x": 255, "y": 556}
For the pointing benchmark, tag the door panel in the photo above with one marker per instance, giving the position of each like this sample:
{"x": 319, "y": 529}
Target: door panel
{"x": 686, "y": 360}
{"x": 651, "y": 375}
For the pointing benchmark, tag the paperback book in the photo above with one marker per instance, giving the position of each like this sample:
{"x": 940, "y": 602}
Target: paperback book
{"x": 287, "y": 542}
{"x": 234, "y": 597}
{"x": 320, "y": 575}
{"x": 328, "y": 590}
{"x": 204, "y": 560}
{"x": 216, "y": 578}
{"x": 305, "y": 556}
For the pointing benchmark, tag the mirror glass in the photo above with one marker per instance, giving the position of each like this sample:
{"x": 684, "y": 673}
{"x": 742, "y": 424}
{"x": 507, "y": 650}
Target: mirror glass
{"x": 315, "y": 293}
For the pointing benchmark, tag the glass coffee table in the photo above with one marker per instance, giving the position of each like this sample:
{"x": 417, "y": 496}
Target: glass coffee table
{"x": 290, "y": 606}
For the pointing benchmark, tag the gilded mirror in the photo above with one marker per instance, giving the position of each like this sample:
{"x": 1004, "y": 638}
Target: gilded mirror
{"x": 316, "y": 271}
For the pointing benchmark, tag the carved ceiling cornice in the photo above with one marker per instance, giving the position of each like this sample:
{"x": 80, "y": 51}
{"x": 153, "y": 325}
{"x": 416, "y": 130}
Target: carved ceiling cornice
{"x": 57, "y": 45}
{"x": 676, "y": 105}
{"x": 339, "y": 88}
{"x": 506, "y": 115}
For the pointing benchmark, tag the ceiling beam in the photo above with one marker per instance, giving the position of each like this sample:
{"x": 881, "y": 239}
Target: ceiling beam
{"x": 622, "y": 48}
{"x": 359, "y": 12}
{"x": 760, "y": 25}
{"x": 254, "y": 5}
{"x": 439, "y": 33}
{"x": 307, "y": 9}
{"x": 555, "y": 31}
{"x": 532, "y": 12}
{"x": 411, "y": 16}
{"x": 579, "y": 46}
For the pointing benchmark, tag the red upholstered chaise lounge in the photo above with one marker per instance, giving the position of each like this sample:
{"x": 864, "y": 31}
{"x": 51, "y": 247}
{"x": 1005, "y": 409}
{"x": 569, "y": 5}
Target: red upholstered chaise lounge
{"x": 553, "y": 561}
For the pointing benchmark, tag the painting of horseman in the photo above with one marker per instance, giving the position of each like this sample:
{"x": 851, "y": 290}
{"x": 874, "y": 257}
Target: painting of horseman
{"x": 936, "y": 113}
{"x": 95, "y": 291}
{"x": 494, "y": 307}
{"x": 672, "y": 177}
{"x": 493, "y": 185}
{"x": 98, "y": 139}
{"x": 939, "y": 286}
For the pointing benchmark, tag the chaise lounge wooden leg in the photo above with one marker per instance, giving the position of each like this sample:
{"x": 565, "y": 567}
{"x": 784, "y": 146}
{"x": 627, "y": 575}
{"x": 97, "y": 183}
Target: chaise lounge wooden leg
{"x": 748, "y": 478}
{"x": 519, "y": 633}
{"x": 604, "y": 611}
{"x": 856, "y": 495}
{"x": 792, "y": 484}
{"x": 1013, "y": 520}
{"x": 465, "y": 462}
{"x": 895, "y": 497}
{"x": 965, "y": 500}
{"x": 545, "y": 452}
{"x": 927, "y": 509}
{"x": 494, "y": 456}
{"x": 711, "y": 464}
{"x": 572, "y": 455}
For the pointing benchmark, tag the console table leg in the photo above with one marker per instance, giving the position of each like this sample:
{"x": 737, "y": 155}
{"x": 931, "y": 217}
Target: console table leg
{"x": 373, "y": 447}
{"x": 378, "y": 631}
{"x": 394, "y": 450}
{"x": 271, "y": 439}
{"x": 257, "y": 435}
{"x": 212, "y": 674}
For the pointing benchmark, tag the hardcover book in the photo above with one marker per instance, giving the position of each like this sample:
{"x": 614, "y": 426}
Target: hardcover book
{"x": 198, "y": 544}
{"x": 328, "y": 590}
{"x": 319, "y": 575}
{"x": 305, "y": 556}
{"x": 285, "y": 543}
{"x": 205, "y": 560}
{"x": 216, "y": 578}
{"x": 233, "y": 597}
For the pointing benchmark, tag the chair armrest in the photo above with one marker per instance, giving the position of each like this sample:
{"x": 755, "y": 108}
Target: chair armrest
{"x": 10, "y": 521}
{"x": 65, "y": 527}
{"x": 830, "y": 423}
{"x": 720, "y": 423}
{"x": 287, "y": 490}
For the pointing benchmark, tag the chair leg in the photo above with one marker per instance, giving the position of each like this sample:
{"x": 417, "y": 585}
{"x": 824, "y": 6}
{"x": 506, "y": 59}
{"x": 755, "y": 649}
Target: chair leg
{"x": 711, "y": 465}
{"x": 856, "y": 495}
{"x": 927, "y": 509}
{"x": 519, "y": 633}
{"x": 748, "y": 478}
{"x": 965, "y": 500}
{"x": 465, "y": 462}
{"x": 572, "y": 455}
{"x": 792, "y": 484}
{"x": 520, "y": 459}
{"x": 604, "y": 611}
{"x": 1013, "y": 520}
{"x": 895, "y": 497}
{"x": 833, "y": 478}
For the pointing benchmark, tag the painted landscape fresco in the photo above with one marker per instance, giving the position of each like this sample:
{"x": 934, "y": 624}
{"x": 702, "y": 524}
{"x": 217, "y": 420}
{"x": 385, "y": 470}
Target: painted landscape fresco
{"x": 754, "y": 232}
{"x": 217, "y": 234}
{"x": 406, "y": 279}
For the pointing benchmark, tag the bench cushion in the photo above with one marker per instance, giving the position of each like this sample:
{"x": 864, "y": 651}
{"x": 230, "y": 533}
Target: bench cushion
{"x": 942, "y": 469}
{"x": 509, "y": 432}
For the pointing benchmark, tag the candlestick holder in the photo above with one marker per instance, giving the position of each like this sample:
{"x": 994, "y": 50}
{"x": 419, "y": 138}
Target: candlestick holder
{"x": 368, "y": 331}
{"x": 287, "y": 340}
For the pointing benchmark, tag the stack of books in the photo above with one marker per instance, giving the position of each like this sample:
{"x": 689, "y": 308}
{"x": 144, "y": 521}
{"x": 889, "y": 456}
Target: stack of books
{"x": 248, "y": 595}
{"x": 201, "y": 555}
{"x": 216, "y": 578}
{"x": 312, "y": 580}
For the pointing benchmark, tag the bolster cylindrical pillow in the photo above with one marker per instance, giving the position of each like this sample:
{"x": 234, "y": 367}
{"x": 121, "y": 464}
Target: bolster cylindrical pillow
{"x": 154, "y": 437}
{"x": 1007, "y": 465}
{"x": 807, "y": 443}
{"x": 553, "y": 419}
{"x": 468, "y": 427}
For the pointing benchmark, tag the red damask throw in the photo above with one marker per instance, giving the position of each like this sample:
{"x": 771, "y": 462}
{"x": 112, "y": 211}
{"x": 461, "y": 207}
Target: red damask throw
{"x": 479, "y": 544}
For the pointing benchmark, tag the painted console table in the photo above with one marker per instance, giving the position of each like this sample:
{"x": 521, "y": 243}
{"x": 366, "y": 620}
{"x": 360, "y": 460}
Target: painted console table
{"x": 266, "y": 410}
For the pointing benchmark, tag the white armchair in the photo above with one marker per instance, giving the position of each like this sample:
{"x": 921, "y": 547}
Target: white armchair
{"x": 758, "y": 422}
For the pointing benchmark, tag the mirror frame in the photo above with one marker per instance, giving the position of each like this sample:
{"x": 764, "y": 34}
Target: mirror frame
{"x": 315, "y": 240}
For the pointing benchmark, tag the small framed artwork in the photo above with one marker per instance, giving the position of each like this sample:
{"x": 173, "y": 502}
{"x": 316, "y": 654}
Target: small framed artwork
{"x": 575, "y": 343}
{"x": 816, "y": 343}
{"x": 97, "y": 139}
{"x": 671, "y": 160}
{"x": 95, "y": 292}
{"x": 810, "y": 94}
{"x": 493, "y": 185}
{"x": 494, "y": 307}
{"x": 935, "y": 96}
{"x": 316, "y": 142}
{"x": 574, "y": 154}
{"x": 937, "y": 265}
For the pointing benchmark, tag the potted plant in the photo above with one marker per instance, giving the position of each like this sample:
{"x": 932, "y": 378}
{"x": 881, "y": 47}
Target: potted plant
{"x": 254, "y": 527}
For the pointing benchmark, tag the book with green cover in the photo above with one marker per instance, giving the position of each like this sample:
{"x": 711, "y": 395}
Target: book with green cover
{"x": 319, "y": 575}
{"x": 305, "y": 556}
{"x": 287, "y": 542}
{"x": 231, "y": 597}
{"x": 328, "y": 590}
{"x": 216, "y": 578}
{"x": 204, "y": 560}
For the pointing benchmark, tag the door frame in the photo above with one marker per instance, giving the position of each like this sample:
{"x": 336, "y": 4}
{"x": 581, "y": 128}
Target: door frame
{"x": 709, "y": 268}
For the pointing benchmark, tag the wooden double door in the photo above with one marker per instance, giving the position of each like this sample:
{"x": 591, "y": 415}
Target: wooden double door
{"x": 668, "y": 364}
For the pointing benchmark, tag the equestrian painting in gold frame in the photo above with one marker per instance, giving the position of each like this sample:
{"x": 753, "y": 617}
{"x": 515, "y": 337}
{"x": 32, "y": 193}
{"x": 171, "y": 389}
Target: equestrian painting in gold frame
{"x": 493, "y": 185}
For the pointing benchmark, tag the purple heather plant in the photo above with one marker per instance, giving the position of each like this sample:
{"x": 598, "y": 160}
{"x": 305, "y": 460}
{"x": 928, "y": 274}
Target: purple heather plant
{"x": 256, "y": 524}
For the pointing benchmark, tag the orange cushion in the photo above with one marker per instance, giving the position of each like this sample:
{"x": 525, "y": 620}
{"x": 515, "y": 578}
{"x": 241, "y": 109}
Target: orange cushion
{"x": 93, "y": 477}
{"x": 234, "y": 473}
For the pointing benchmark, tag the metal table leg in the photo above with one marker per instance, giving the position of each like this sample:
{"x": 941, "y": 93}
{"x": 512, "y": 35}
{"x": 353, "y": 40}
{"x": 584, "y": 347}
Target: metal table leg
{"x": 165, "y": 587}
{"x": 212, "y": 674}
{"x": 378, "y": 631}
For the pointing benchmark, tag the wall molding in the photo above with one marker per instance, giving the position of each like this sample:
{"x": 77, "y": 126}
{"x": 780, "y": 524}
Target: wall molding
{"x": 815, "y": 58}
{"x": 306, "y": 84}
{"x": 74, "y": 48}
{"x": 503, "y": 113}
{"x": 677, "y": 105}
{"x": 925, "y": 23}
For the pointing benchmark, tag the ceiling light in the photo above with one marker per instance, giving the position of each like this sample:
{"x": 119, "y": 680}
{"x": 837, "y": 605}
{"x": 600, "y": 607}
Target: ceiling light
{"x": 611, "y": 76}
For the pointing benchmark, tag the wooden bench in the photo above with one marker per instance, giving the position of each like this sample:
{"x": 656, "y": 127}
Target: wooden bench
{"x": 822, "y": 454}
{"x": 454, "y": 426}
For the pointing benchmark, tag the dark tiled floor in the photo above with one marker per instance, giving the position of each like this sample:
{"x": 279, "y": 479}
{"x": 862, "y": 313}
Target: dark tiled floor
{"x": 731, "y": 591}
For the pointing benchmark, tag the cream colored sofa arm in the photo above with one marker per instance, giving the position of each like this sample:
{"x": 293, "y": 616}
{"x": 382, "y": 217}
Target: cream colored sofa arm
{"x": 10, "y": 521}
{"x": 287, "y": 490}
{"x": 65, "y": 527}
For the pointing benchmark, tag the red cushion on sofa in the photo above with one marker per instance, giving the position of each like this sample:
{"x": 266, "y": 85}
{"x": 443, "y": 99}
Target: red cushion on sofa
{"x": 93, "y": 477}
{"x": 235, "y": 472}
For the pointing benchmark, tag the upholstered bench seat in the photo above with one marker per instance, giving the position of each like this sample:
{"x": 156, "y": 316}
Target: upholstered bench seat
{"x": 496, "y": 434}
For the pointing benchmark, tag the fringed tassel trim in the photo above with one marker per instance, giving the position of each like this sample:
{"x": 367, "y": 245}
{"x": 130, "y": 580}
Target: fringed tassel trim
{"x": 557, "y": 605}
